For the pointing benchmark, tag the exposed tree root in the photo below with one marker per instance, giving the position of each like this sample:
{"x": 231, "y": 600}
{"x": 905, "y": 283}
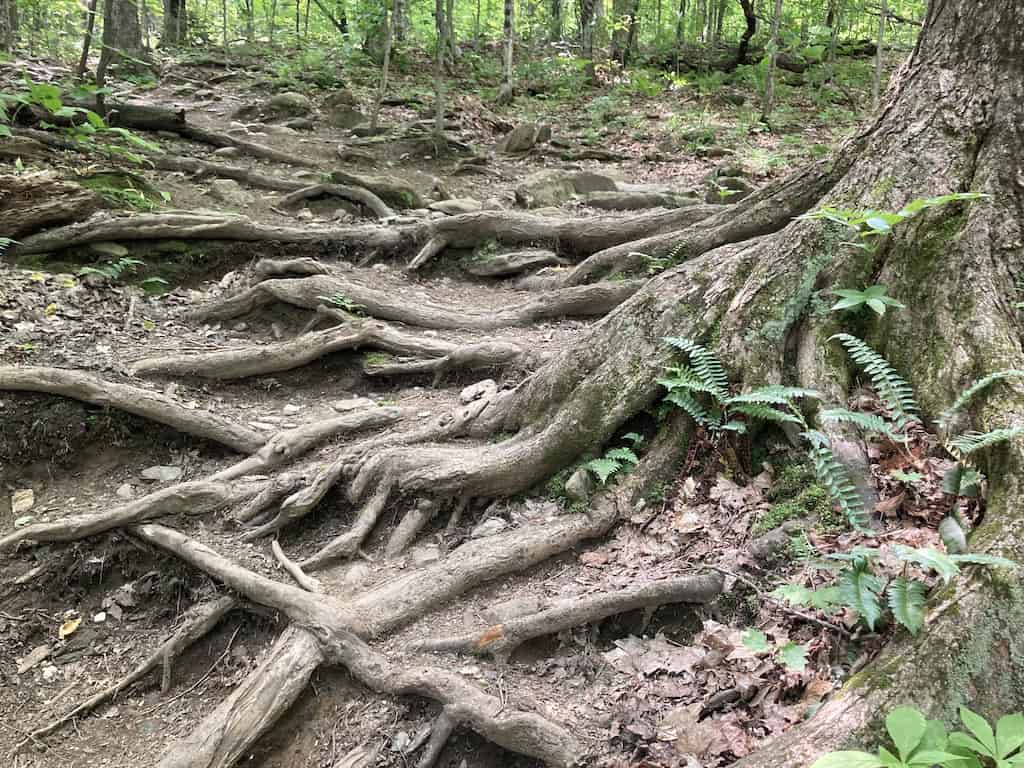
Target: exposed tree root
{"x": 197, "y": 497}
{"x": 308, "y": 583}
{"x": 308, "y": 292}
{"x": 501, "y": 639}
{"x": 279, "y": 267}
{"x": 364, "y": 197}
{"x": 195, "y": 624}
{"x": 358, "y": 333}
{"x": 462, "y": 702}
{"x": 410, "y": 525}
{"x": 348, "y": 543}
{"x": 252, "y": 708}
{"x": 204, "y": 168}
{"x": 36, "y": 201}
{"x": 135, "y": 400}
{"x": 246, "y": 147}
{"x": 431, "y": 248}
{"x": 513, "y": 263}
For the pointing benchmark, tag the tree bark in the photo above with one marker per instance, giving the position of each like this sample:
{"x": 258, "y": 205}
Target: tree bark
{"x": 742, "y": 55}
{"x": 175, "y": 28}
{"x": 505, "y": 93}
{"x": 586, "y": 18}
{"x": 773, "y": 57}
{"x": 8, "y": 24}
{"x": 122, "y": 38}
{"x": 90, "y": 25}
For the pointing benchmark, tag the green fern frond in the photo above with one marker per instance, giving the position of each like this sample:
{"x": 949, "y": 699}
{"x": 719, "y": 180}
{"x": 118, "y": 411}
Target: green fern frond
{"x": 686, "y": 378}
{"x": 979, "y": 386}
{"x": 603, "y": 468}
{"x": 764, "y": 413}
{"x": 869, "y": 422}
{"x": 860, "y": 590}
{"x": 708, "y": 367}
{"x": 696, "y": 411}
{"x": 981, "y": 559}
{"x": 622, "y": 454}
{"x": 971, "y": 442}
{"x": 906, "y": 599}
{"x": 774, "y": 395}
{"x": 894, "y": 391}
{"x": 929, "y": 558}
{"x": 833, "y": 477}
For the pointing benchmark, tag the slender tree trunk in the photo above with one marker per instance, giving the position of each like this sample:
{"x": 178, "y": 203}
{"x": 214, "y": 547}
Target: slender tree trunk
{"x": 440, "y": 26}
{"x": 8, "y": 24}
{"x": 399, "y": 22}
{"x": 382, "y": 91}
{"x": 720, "y": 19}
{"x": 586, "y": 19}
{"x": 773, "y": 57}
{"x": 632, "y": 29}
{"x": 90, "y": 26}
{"x": 880, "y": 49}
{"x": 556, "y": 20}
{"x": 339, "y": 22}
{"x": 272, "y": 21}
{"x": 250, "y": 20}
{"x": 451, "y": 43}
{"x": 122, "y": 37}
{"x": 680, "y": 31}
{"x": 224, "y": 28}
{"x": 505, "y": 93}
{"x": 743, "y": 54}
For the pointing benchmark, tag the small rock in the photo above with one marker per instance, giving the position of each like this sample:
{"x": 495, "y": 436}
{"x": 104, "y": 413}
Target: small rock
{"x": 230, "y": 191}
{"x": 520, "y": 139}
{"x": 37, "y": 655}
{"x": 352, "y": 404}
{"x": 478, "y": 390}
{"x": 100, "y": 617}
{"x": 456, "y": 206}
{"x": 262, "y": 426}
{"x": 22, "y": 500}
{"x": 580, "y": 485}
{"x": 288, "y": 103}
{"x": 114, "y": 250}
{"x": 305, "y": 215}
{"x": 125, "y": 491}
{"x": 423, "y": 415}
{"x": 291, "y": 410}
{"x": 50, "y": 673}
{"x": 227, "y": 152}
{"x": 299, "y": 124}
{"x": 488, "y": 528}
{"x": 239, "y": 327}
{"x": 163, "y": 474}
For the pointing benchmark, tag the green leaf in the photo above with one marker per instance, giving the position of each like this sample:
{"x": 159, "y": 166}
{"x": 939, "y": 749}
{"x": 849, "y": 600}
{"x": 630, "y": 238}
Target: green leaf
{"x": 979, "y": 726}
{"x": 877, "y": 306}
{"x": 929, "y": 559}
{"x": 983, "y": 559}
{"x": 1009, "y": 734}
{"x": 963, "y": 741}
{"x": 879, "y": 224}
{"x": 848, "y": 760}
{"x": 794, "y": 594}
{"x": 928, "y": 757}
{"x": 860, "y": 590}
{"x": 755, "y": 640}
{"x": 603, "y": 468}
{"x": 951, "y": 480}
{"x": 952, "y": 535}
{"x": 793, "y": 656}
{"x": 906, "y": 727}
{"x": 906, "y": 600}
{"x": 634, "y": 437}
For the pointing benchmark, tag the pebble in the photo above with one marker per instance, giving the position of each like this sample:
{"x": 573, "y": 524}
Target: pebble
{"x": 22, "y": 500}
{"x": 100, "y": 617}
{"x": 352, "y": 404}
{"x": 125, "y": 491}
{"x": 291, "y": 410}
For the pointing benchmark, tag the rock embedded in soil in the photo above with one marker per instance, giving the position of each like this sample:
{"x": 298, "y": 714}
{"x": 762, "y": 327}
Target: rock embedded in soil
{"x": 163, "y": 474}
{"x": 516, "y": 608}
{"x": 456, "y": 206}
{"x": 352, "y": 404}
{"x": 230, "y": 192}
{"x": 288, "y": 103}
{"x": 125, "y": 491}
{"x": 580, "y": 485}
{"x": 520, "y": 139}
{"x": 553, "y": 187}
{"x": 22, "y": 500}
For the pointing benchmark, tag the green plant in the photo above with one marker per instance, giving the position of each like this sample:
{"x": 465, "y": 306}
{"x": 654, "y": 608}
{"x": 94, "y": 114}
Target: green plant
{"x": 342, "y": 301}
{"x": 114, "y": 270}
{"x": 615, "y": 459}
{"x": 870, "y": 225}
{"x": 873, "y": 297}
{"x": 861, "y": 584}
{"x": 790, "y": 655}
{"x": 920, "y": 743}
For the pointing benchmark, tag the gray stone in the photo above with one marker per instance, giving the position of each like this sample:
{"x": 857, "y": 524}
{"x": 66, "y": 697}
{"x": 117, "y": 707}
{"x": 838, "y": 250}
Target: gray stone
{"x": 342, "y": 110}
{"x": 580, "y": 485}
{"x": 161, "y": 474}
{"x": 291, "y": 410}
{"x": 488, "y": 527}
{"x": 114, "y": 250}
{"x": 299, "y": 124}
{"x": 456, "y": 206}
{"x": 553, "y": 187}
{"x": 227, "y": 152}
{"x": 229, "y": 191}
{"x": 22, "y": 500}
{"x": 520, "y": 139}
{"x": 289, "y": 103}
{"x": 125, "y": 491}
{"x": 352, "y": 404}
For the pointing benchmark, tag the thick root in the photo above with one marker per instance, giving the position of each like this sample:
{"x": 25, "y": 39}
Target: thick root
{"x": 135, "y": 400}
{"x": 501, "y": 639}
{"x": 308, "y": 292}
{"x": 364, "y": 197}
{"x": 308, "y": 583}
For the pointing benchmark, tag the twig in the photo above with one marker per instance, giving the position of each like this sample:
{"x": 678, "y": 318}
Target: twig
{"x": 198, "y": 682}
{"x": 308, "y": 583}
{"x": 792, "y": 611}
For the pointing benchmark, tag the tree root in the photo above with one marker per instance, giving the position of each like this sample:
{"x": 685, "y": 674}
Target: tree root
{"x": 260, "y": 360}
{"x": 308, "y": 583}
{"x": 463, "y": 703}
{"x": 364, "y": 197}
{"x": 195, "y": 624}
{"x": 308, "y": 292}
{"x": 348, "y": 543}
{"x": 197, "y": 497}
{"x": 501, "y": 639}
{"x": 252, "y": 708}
{"x": 409, "y": 526}
{"x": 247, "y": 147}
{"x": 433, "y": 246}
{"x": 203, "y": 168}
{"x": 135, "y": 400}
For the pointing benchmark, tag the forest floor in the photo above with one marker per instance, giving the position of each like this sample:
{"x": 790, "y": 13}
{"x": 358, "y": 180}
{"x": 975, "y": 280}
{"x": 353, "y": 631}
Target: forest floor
{"x": 639, "y": 688}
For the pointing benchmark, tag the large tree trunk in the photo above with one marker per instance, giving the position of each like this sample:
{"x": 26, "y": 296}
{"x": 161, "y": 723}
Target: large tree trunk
{"x": 8, "y": 24}
{"x": 505, "y": 93}
{"x": 122, "y": 36}
{"x": 175, "y": 29}
{"x": 751, "y": 21}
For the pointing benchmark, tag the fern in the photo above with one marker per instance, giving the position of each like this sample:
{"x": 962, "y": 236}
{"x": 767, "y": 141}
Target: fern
{"x": 860, "y": 590}
{"x": 774, "y": 395}
{"x": 894, "y": 391}
{"x": 833, "y": 477}
{"x": 982, "y": 559}
{"x": 623, "y": 455}
{"x": 707, "y": 367}
{"x": 603, "y": 468}
{"x": 971, "y": 442}
{"x": 765, "y": 413}
{"x": 906, "y": 601}
{"x": 869, "y": 422}
{"x": 979, "y": 386}
{"x": 686, "y": 378}
{"x": 695, "y": 410}
{"x": 929, "y": 559}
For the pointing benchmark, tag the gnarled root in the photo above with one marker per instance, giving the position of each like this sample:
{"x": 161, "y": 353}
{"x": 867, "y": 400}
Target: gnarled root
{"x": 501, "y": 639}
{"x": 308, "y": 292}
{"x": 85, "y": 387}
{"x": 364, "y": 197}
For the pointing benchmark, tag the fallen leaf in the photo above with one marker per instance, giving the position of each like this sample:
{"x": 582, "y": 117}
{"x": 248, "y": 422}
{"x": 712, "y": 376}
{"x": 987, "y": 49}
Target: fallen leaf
{"x": 68, "y": 627}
